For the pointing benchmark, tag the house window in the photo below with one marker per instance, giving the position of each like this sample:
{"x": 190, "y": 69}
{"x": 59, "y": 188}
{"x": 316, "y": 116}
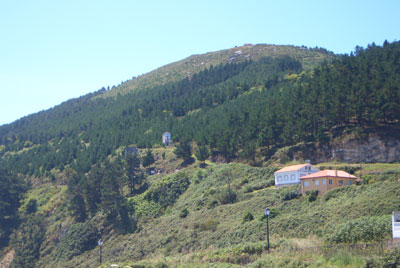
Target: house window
{"x": 348, "y": 182}
{"x": 292, "y": 177}
{"x": 330, "y": 182}
{"x": 341, "y": 182}
{"x": 279, "y": 178}
{"x": 286, "y": 177}
{"x": 323, "y": 182}
{"x": 316, "y": 182}
{"x": 306, "y": 183}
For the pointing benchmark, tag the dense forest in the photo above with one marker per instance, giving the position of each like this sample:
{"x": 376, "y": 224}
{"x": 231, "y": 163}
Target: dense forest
{"x": 232, "y": 108}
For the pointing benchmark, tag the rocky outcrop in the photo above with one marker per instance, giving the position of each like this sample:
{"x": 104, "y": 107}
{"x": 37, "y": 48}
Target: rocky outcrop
{"x": 372, "y": 149}
{"x": 350, "y": 149}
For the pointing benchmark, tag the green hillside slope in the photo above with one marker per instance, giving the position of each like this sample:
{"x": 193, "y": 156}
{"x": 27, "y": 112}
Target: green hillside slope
{"x": 213, "y": 231}
{"x": 66, "y": 183}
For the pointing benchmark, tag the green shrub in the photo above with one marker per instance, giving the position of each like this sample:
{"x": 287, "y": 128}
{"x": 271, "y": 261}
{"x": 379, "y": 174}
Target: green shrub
{"x": 209, "y": 225}
{"x": 227, "y": 196}
{"x": 364, "y": 229}
{"x": 79, "y": 238}
{"x": 312, "y": 195}
{"x": 248, "y": 217}
{"x": 167, "y": 191}
{"x": 31, "y": 206}
{"x": 290, "y": 194}
{"x": 212, "y": 204}
{"x": 26, "y": 241}
{"x": 184, "y": 213}
{"x": 251, "y": 248}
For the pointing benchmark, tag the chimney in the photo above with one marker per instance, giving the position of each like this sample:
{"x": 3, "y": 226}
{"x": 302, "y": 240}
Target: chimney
{"x": 336, "y": 173}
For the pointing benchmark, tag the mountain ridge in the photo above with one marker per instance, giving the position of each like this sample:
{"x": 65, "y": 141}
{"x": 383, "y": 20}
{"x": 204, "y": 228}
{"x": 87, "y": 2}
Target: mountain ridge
{"x": 195, "y": 63}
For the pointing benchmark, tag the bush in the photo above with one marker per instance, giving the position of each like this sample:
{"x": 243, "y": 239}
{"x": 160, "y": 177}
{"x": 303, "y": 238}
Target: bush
{"x": 226, "y": 196}
{"x": 248, "y": 217}
{"x": 210, "y": 225}
{"x": 79, "y": 238}
{"x": 184, "y": 213}
{"x": 31, "y": 207}
{"x": 290, "y": 194}
{"x": 26, "y": 242}
{"x": 364, "y": 229}
{"x": 312, "y": 195}
{"x": 167, "y": 191}
{"x": 212, "y": 204}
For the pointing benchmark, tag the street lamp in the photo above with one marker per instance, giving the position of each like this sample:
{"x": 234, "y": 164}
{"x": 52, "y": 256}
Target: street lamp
{"x": 266, "y": 213}
{"x": 100, "y": 243}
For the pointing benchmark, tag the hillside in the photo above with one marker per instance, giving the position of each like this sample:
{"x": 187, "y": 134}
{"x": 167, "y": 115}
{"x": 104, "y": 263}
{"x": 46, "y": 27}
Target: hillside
{"x": 234, "y": 119}
{"x": 213, "y": 231}
{"x": 243, "y": 111}
{"x": 194, "y": 64}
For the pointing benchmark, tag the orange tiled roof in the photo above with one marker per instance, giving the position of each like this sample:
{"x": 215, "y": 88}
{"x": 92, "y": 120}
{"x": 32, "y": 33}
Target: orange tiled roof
{"x": 329, "y": 173}
{"x": 292, "y": 168}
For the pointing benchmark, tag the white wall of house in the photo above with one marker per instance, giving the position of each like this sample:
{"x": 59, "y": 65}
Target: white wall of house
{"x": 166, "y": 138}
{"x": 293, "y": 177}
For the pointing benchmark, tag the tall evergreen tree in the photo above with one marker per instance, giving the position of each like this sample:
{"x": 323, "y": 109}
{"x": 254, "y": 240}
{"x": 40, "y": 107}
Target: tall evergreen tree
{"x": 183, "y": 150}
{"x": 202, "y": 153}
{"x": 132, "y": 172}
{"x": 11, "y": 193}
{"x": 148, "y": 159}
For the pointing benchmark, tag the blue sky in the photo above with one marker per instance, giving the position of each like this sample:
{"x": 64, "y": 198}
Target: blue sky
{"x": 51, "y": 51}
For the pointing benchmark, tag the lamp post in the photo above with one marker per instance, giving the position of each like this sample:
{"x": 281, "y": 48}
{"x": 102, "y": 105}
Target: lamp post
{"x": 266, "y": 213}
{"x": 100, "y": 243}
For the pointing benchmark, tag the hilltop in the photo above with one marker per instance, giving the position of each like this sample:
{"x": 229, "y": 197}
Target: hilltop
{"x": 194, "y": 64}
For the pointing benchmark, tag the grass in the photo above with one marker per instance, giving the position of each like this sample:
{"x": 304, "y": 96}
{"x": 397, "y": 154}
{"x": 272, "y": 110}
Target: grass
{"x": 48, "y": 198}
{"x": 214, "y": 234}
{"x": 248, "y": 256}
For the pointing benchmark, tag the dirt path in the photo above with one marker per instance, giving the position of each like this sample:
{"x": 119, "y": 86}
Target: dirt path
{"x": 7, "y": 259}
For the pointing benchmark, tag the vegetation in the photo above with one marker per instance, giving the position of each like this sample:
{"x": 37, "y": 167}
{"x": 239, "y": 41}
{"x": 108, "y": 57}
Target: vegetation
{"x": 11, "y": 194}
{"x": 26, "y": 242}
{"x": 79, "y": 187}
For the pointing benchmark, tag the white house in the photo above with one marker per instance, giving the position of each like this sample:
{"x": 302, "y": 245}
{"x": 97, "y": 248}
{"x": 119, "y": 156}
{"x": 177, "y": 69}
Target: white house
{"x": 290, "y": 175}
{"x": 166, "y": 138}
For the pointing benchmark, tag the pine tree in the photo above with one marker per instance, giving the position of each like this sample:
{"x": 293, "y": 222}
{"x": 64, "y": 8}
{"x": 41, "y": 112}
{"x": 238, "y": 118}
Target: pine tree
{"x": 184, "y": 150}
{"x": 132, "y": 172}
{"x": 148, "y": 159}
{"x": 11, "y": 193}
{"x": 202, "y": 153}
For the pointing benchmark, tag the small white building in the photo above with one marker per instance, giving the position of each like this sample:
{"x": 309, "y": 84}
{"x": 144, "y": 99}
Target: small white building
{"x": 290, "y": 175}
{"x": 166, "y": 138}
{"x": 396, "y": 224}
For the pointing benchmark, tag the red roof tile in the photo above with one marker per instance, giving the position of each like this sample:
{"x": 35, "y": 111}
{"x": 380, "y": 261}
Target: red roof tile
{"x": 329, "y": 173}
